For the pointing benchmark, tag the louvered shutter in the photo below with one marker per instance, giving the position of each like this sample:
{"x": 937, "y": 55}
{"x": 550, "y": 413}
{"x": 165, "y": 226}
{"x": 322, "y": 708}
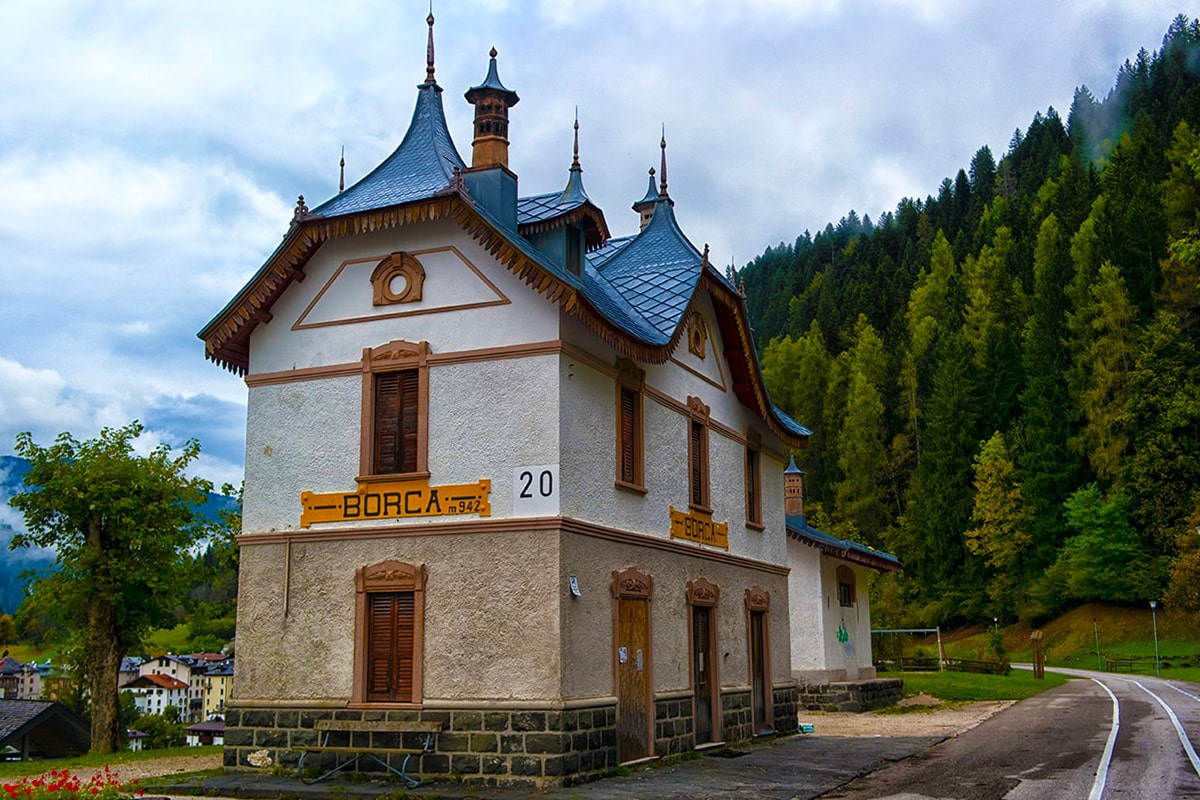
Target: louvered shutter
{"x": 697, "y": 467}
{"x": 628, "y": 439}
{"x": 753, "y": 504}
{"x": 390, "y": 647}
{"x": 409, "y": 407}
{"x": 387, "y": 422}
{"x": 397, "y": 405}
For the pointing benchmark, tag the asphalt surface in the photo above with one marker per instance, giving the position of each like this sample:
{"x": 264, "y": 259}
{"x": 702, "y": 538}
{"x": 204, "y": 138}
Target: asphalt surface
{"x": 1056, "y": 745}
{"x": 787, "y": 768}
{"x": 1101, "y": 738}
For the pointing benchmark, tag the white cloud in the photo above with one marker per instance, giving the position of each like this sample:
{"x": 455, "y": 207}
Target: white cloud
{"x": 151, "y": 162}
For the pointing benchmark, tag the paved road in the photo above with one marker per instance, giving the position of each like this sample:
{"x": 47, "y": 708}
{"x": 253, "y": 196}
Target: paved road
{"x": 1102, "y": 738}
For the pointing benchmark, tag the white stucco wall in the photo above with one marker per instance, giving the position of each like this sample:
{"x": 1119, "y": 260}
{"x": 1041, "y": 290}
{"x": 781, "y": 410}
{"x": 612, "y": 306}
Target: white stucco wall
{"x": 806, "y": 600}
{"x": 587, "y": 621}
{"x": 491, "y": 617}
{"x": 817, "y": 614}
{"x": 528, "y": 317}
{"x": 589, "y": 452}
{"x": 485, "y": 419}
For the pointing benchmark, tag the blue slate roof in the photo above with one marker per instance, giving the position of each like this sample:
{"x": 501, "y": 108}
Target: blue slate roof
{"x": 797, "y": 525}
{"x": 541, "y": 207}
{"x": 788, "y": 422}
{"x": 419, "y": 168}
{"x": 651, "y": 195}
{"x": 656, "y": 274}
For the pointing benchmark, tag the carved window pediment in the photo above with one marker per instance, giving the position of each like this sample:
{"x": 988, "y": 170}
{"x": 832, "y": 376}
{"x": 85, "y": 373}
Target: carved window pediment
{"x": 702, "y": 592}
{"x": 757, "y": 599}
{"x": 632, "y": 583}
{"x": 390, "y": 576}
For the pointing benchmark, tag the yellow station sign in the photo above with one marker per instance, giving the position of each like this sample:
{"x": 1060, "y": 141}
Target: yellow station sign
{"x": 397, "y": 500}
{"x": 696, "y": 526}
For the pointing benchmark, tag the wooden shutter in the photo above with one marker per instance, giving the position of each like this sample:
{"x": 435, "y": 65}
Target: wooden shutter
{"x": 697, "y": 463}
{"x": 628, "y": 435}
{"x": 409, "y": 408}
{"x": 390, "y": 646}
{"x": 397, "y": 404}
{"x": 753, "y": 503}
{"x": 387, "y": 421}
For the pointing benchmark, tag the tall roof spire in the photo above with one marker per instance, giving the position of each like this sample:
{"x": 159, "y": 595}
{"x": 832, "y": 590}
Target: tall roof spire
{"x": 575, "y": 161}
{"x": 342, "y": 172}
{"x": 429, "y": 48}
{"x": 662, "y": 186}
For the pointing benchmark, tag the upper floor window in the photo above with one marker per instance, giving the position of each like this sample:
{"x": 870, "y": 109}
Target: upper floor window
{"x": 698, "y": 479}
{"x": 754, "y": 517}
{"x": 845, "y": 583}
{"x": 630, "y": 461}
{"x": 395, "y": 413}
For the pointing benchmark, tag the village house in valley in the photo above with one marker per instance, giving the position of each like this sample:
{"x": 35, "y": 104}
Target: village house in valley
{"x": 506, "y": 473}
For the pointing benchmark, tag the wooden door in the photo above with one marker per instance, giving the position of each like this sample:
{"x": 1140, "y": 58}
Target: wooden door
{"x": 634, "y": 713}
{"x": 702, "y": 676}
{"x": 758, "y": 675}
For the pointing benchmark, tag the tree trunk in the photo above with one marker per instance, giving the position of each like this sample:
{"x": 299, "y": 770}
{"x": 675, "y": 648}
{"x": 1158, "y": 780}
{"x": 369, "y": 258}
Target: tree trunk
{"x": 103, "y": 656}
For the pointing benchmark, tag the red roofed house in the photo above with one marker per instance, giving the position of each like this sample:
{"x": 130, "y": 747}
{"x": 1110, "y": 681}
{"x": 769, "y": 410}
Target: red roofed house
{"x": 153, "y": 693}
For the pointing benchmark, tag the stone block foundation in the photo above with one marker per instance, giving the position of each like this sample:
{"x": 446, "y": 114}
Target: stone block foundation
{"x": 850, "y": 695}
{"x": 477, "y": 745}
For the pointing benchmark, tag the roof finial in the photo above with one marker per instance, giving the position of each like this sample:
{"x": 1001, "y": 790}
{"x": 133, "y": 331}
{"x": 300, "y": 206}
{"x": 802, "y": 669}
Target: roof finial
{"x": 429, "y": 48}
{"x": 342, "y": 172}
{"x": 662, "y": 186}
{"x": 575, "y": 161}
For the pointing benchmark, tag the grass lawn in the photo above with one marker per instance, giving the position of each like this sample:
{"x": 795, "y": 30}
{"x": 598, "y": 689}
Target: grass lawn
{"x": 169, "y": 640}
{"x": 966, "y": 686}
{"x": 17, "y": 769}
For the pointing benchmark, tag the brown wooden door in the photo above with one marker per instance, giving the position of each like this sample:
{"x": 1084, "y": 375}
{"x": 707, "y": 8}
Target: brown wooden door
{"x": 390, "y": 647}
{"x": 633, "y": 679}
{"x": 758, "y": 674}
{"x": 702, "y": 663}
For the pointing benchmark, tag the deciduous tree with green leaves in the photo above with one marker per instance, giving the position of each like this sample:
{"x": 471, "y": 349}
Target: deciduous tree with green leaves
{"x": 120, "y": 524}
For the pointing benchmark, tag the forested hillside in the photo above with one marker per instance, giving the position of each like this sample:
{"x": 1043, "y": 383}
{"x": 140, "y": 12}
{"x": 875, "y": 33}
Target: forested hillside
{"x": 1004, "y": 378}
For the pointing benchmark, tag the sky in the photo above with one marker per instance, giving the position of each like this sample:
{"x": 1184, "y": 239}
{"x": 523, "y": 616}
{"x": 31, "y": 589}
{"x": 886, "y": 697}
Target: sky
{"x": 151, "y": 153}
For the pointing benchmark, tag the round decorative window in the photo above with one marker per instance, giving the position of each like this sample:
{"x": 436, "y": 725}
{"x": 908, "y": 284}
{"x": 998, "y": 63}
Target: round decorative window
{"x": 399, "y": 278}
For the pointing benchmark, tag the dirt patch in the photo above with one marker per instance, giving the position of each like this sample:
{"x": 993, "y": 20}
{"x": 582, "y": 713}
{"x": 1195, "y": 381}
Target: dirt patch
{"x": 156, "y": 767}
{"x": 928, "y": 717}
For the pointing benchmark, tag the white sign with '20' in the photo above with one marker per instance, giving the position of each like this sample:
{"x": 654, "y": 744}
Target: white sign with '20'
{"x": 535, "y": 491}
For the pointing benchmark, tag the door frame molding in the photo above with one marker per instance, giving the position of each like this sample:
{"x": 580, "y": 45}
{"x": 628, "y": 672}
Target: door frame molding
{"x": 633, "y": 584}
{"x": 704, "y": 593}
{"x": 759, "y": 600}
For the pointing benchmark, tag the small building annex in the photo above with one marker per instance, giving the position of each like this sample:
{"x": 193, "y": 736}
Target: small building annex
{"x": 505, "y": 472}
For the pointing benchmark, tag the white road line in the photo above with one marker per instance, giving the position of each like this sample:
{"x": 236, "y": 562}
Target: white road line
{"x": 1102, "y": 770}
{"x": 1187, "y": 745}
{"x": 1181, "y": 691}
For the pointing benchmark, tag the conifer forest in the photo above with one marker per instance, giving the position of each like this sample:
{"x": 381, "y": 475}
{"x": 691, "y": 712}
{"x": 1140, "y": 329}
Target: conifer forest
{"x": 1004, "y": 377}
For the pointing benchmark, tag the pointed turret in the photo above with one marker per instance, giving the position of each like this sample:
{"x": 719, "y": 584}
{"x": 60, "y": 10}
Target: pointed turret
{"x": 421, "y": 166}
{"x": 793, "y": 490}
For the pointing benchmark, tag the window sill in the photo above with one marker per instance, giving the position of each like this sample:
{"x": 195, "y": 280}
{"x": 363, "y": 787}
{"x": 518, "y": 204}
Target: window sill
{"x": 702, "y": 509}
{"x": 395, "y": 477}
{"x": 383, "y": 704}
{"x": 755, "y": 526}
{"x": 630, "y": 487}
